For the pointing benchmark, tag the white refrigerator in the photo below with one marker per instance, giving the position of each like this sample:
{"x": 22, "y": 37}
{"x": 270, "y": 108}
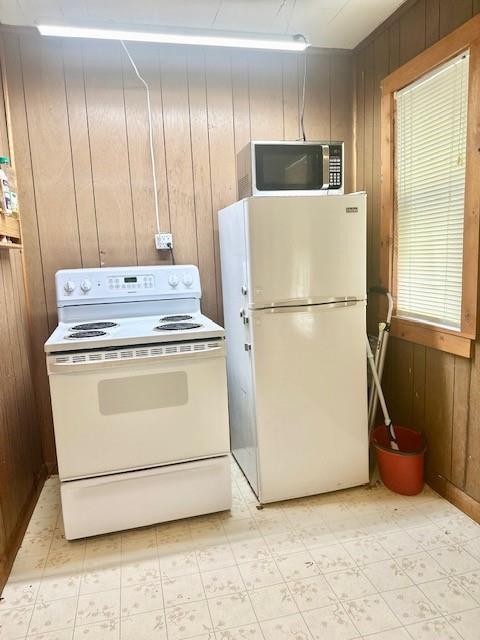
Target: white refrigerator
{"x": 294, "y": 297}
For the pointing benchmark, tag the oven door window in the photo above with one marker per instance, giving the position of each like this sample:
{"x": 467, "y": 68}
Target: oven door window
{"x": 142, "y": 393}
{"x": 288, "y": 167}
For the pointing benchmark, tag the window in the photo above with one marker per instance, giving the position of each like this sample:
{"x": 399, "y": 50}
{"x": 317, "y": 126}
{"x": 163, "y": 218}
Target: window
{"x": 431, "y": 193}
{"x": 430, "y": 154}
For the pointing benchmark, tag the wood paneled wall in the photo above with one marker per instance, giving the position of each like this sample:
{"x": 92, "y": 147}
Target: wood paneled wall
{"x": 426, "y": 389}
{"x": 21, "y": 470}
{"x": 81, "y": 143}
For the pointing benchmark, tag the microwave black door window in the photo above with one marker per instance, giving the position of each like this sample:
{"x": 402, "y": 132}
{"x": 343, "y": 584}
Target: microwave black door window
{"x": 288, "y": 167}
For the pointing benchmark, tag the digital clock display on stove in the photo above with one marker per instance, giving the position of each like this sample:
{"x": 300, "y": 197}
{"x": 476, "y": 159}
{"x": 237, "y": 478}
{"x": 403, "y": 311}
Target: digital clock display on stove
{"x": 130, "y": 279}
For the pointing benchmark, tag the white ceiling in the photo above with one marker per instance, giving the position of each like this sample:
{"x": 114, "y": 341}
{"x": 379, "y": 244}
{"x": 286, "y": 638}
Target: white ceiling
{"x": 326, "y": 23}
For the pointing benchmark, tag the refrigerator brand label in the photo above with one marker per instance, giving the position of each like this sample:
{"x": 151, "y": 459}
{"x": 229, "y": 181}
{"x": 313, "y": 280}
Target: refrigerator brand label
{"x": 351, "y": 209}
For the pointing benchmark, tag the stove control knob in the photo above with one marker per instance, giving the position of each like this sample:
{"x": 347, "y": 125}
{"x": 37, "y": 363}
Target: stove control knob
{"x": 172, "y": 280}
{"x": 188, "y": 280}
{"x": 85, "y": 286}
{"x": 69, "y": 286}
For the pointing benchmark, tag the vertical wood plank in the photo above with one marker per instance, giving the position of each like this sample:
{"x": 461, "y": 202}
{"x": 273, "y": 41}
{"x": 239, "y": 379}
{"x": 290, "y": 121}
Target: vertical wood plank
{"x": 418, "y": 400}
{"x": 241, "y": 100}
{"x": 4, "y": 144}
{"x": 399, "y": 381}
{"x": 12, "y": 498}
{"x": 394, "y": 38}
{"x": 369, "y": 97}
{"x": 141, "y": 177}
{"x": 439, "y": 389}
{"x": 381, "y": 61}
{"x": 178, "y": 152}
{"x": 81, "y": 154}
{"x": 460, "y": 421}
{"x": 360, "y": 121}
{"x": 432, "y": 21}
{"x": 453, "y": 14}
{"x": 317, "y": 97}
{"x": 472, "y": 479}
{"x": 341, "y": 118}
{"x": 201, "y": 180}
{"x": 266, "y": 96}
{"x": 292, "y": 95}
{"x": 221, "y": 145}
{"x": 50, "y": 153}
{"x": 109, "y": 151}
{"x": 412, "y": 31}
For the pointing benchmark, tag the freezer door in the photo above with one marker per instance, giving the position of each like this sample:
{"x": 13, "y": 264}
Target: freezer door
{"x": 305, "y": 249}
{"x": 311, "y": 399}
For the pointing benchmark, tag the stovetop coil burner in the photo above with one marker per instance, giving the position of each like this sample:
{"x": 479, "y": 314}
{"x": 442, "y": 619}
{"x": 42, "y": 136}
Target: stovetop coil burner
{"x": 75, "y": 335}
{"x": 89, "y": 326}
{"x": 177, "y": 326}
{"x": 175, "y": 318}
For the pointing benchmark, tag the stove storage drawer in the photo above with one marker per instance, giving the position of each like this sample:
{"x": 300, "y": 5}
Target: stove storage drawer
{"x": 139, "y": 414}
{"x": 140, "y": 498}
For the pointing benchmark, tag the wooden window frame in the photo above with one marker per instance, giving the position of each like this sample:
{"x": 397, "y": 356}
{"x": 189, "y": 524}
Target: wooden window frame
{"x": 457, "y": 342}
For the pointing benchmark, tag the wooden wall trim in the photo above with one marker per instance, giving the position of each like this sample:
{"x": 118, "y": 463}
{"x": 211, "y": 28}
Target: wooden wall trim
{"x": 431, "y": 337}
{"x": 446, "y": 48}
{"x": 456, "y": 496}
{"x": 7, "y": 558}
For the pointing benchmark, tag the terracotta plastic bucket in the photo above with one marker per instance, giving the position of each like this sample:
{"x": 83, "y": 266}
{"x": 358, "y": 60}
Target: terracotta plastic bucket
{"x": 401, "y": 471}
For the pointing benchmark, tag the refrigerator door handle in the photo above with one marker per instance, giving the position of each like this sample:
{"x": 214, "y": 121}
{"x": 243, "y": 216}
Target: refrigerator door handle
{"x": 303, "y": 302}
{"x": 315, "y": 307}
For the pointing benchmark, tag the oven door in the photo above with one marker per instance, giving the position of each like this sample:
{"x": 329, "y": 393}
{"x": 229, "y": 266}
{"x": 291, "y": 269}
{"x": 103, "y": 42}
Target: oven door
{"x": 126, "y": 409}
{"x": 290, "y": 167}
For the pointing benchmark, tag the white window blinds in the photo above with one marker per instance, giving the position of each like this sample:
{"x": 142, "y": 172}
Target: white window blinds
{"x": 430, "y": 152}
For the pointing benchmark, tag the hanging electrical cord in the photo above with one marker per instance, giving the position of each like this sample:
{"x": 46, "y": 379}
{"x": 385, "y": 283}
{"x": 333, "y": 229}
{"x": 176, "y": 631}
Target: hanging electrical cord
{"x": 302, "y": 112}
{"x": 150, "y": 132}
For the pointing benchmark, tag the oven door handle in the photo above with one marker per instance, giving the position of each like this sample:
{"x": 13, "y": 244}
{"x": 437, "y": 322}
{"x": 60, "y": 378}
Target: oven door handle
{"x": 101, "y": 363}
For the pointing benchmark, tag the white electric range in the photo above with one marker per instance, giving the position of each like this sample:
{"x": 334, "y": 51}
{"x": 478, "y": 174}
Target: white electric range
{"x": 139, "y": 398}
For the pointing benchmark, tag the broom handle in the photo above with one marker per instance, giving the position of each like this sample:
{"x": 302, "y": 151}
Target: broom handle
{"x": 380, "y": 364}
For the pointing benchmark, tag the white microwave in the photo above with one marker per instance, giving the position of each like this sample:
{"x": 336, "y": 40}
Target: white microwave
{"x": 290, "y": 168}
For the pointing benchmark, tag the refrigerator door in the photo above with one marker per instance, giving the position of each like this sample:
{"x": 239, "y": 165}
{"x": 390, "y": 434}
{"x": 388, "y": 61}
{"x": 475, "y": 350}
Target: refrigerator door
{"x": 305, "y": 249}
{"x": 310, "y": 376}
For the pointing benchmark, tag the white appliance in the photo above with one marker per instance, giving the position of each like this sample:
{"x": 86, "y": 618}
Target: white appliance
{"x": 139, "y": 398}
{"x": 279, "y": 167}
{"x": 294, "y": 290}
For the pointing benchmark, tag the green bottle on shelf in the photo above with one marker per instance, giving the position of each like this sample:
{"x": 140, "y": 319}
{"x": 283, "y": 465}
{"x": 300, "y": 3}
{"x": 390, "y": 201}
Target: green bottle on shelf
{"x": 5, "y": 193}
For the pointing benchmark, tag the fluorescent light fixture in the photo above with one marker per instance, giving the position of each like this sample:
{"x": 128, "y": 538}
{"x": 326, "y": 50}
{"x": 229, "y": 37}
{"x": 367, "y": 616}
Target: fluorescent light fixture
{"x": 187, "y": 36}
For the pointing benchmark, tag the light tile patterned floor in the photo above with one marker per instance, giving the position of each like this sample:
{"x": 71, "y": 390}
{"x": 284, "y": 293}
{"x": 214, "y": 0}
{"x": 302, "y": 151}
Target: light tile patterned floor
{"x": 362, "y": 563}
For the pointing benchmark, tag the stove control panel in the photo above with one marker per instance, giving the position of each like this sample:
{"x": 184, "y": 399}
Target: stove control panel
{"x": 131, "y": 282}
{"x": 120, "y": 284}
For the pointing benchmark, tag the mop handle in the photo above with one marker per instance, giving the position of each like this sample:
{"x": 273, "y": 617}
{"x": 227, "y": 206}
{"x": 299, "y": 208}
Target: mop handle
{"x": 381, "y": 397}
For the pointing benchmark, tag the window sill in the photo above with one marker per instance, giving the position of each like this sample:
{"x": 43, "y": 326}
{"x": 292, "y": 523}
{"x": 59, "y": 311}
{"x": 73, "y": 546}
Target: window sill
{"x": 433, "y": 337}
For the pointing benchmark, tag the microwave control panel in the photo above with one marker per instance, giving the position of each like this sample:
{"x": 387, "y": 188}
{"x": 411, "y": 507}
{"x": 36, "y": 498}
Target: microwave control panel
{"x": 336, "y": 167}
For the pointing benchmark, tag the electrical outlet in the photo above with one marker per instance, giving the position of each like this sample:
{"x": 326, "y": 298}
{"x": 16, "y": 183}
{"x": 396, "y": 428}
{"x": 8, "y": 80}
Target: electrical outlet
{"x": 163, "y": 241}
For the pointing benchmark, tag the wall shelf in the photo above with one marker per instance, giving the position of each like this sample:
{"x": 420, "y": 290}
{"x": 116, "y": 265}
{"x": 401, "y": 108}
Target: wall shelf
{"x": 10, "y": 227}
{"x": 10, "y": 245}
